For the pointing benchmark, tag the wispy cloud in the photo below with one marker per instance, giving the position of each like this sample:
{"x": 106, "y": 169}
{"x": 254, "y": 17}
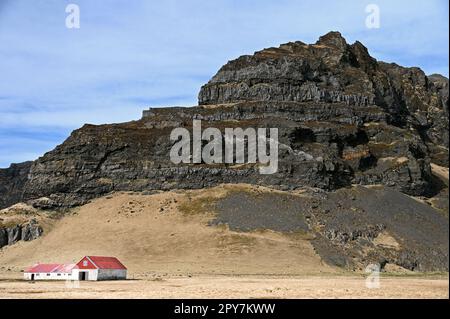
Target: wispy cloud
{"x": 129, "y": 55}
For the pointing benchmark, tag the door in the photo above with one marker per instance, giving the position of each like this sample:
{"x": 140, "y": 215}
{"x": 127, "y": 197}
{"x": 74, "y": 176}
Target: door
{"x": 32, "y": 276}
{"x": 83, "y": 275}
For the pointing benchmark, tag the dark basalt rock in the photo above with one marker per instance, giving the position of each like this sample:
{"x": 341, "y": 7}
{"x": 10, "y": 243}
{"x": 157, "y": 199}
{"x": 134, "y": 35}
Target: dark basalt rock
{"x": 328, "y": 71}
{"x": 333, "y": 71}
{"x": 14, "y": 234}
{"x": 27, "y": 231}
{"x": 343, "y": 118}
{"x": 31, "y": 231}
{"x": 351, "y": 228}
{"x": 12, "y": 181}
{"x": 348, "y": 227}
{"x": 3, "y": 237}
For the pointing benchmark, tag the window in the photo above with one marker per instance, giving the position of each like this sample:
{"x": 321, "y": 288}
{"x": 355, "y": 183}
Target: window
{"x": 48, "y": 274}
{"x": 85, "y": 263}
{"x": 59, "y": 275}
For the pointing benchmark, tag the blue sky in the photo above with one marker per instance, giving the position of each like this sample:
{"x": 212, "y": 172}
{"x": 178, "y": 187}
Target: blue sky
{"x": 132, "y": 54}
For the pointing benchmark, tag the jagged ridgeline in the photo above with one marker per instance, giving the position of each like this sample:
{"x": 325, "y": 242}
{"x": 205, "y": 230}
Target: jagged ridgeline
{"x": 343, "y": 118}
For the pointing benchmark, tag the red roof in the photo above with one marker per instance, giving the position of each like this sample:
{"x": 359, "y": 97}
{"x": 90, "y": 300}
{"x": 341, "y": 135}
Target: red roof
{"x": 49, "y": 268}
{"x": 99, "y": 262}
{"x": 106, "y": 262}
{"x": 65, "y": 268}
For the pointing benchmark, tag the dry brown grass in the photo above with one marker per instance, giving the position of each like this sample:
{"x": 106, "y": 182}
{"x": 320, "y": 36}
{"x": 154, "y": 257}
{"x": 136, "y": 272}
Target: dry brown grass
{"x": 171, "y": 252}
{"x": 166, "y": 233}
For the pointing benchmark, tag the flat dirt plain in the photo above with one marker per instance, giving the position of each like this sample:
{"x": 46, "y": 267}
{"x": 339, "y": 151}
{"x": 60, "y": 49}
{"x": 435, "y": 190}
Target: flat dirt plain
{"x": 203, "y": 286}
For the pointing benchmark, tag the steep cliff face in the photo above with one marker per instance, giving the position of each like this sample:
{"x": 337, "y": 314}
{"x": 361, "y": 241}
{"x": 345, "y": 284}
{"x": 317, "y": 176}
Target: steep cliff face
{"x": 14, "y": 233}
{"x": 12, "y": 181}
{"x": 343, "y": 119}
{"x": 328, "y": 71}
{"x": 333, "y": 71}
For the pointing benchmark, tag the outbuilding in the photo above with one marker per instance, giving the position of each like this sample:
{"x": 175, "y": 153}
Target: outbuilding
{"x": 88, "y": 268}
{"x": 50, "y": 272}
{"x": 100, "y": 268}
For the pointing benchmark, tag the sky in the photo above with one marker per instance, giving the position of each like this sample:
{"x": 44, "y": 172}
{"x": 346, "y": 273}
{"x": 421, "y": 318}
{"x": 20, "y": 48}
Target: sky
{"x": 129, "y": 55}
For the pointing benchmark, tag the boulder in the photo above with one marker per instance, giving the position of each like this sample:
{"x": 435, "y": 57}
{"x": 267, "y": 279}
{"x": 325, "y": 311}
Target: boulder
{"x": 31, "y": 230}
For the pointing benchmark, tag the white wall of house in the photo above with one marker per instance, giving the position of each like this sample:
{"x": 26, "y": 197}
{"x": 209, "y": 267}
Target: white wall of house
{"x": 91, "y": 274}
{"x": 49, "y": 276}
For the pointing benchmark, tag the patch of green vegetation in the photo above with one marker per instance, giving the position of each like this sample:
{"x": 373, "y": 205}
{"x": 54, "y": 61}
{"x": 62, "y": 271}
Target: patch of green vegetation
{"x": 58, "y": 214}
{"x": 242, "y": 239}
{"x": 258, "y": 192}
{"x": 202, "y": 205}
{"x": 301, "y": 235}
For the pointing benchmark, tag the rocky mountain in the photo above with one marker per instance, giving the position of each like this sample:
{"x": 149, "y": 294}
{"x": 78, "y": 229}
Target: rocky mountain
{"x": 333, "y": 71}
{"x": 343, "y": 118}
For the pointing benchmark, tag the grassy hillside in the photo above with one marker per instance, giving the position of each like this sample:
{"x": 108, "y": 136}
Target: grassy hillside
{"x": 167, "y": 233}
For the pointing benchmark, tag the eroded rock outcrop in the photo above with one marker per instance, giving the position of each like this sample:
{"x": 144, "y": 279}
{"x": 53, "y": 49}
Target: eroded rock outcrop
{"x": 12, "y": 181}
{"x": 333, "y": 71}
{"x": 27, "y": 231}
{"x": 343, "y": 118}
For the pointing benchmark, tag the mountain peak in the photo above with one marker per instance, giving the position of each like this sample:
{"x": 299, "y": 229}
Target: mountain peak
{"x": 333, "y": 39}
{"x": 330, "y": 70}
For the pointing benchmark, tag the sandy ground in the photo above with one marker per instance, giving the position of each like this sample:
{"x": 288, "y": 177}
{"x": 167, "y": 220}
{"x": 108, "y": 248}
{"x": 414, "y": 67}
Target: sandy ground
{"x": 233, "y": 287}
